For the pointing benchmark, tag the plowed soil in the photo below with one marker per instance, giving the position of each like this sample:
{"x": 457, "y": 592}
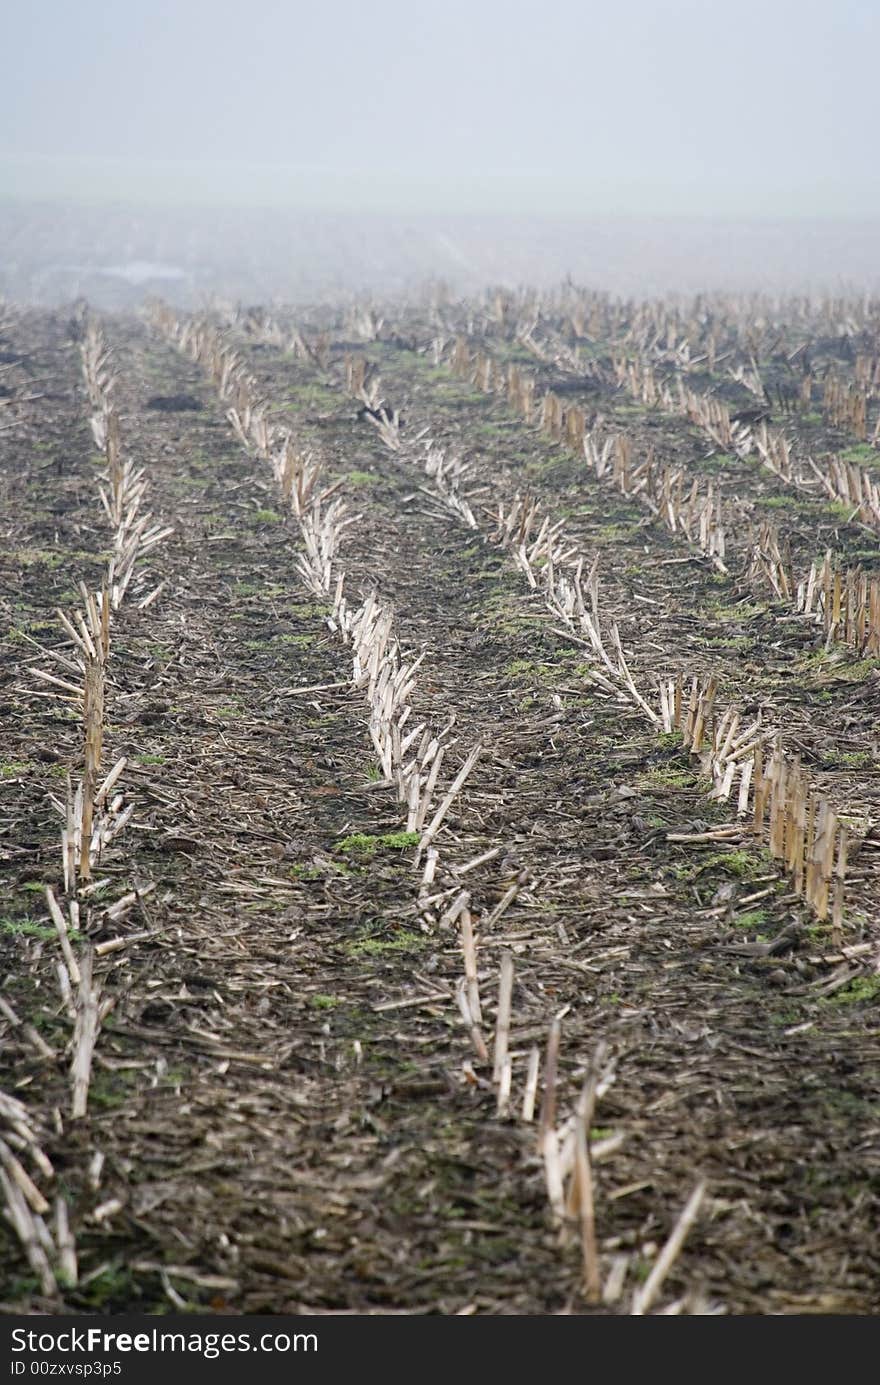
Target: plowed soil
{"x": 291, "y": 1114}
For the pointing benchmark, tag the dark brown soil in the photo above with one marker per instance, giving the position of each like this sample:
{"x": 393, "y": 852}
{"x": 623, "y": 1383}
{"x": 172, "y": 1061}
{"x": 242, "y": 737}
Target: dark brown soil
{"x": 278, "y": 1138}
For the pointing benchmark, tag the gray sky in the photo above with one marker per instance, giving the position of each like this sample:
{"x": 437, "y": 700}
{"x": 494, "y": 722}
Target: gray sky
{"x": 750, "y": 107}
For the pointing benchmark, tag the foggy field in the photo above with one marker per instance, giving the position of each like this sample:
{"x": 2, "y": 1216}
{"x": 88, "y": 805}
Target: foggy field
{"x": 114, "y": 254}
{"x": 439, "y": 671}
{"x": 440, "y": 794}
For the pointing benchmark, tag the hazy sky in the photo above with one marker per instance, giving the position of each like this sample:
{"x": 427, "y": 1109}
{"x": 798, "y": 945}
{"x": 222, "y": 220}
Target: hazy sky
{"x": 681, "y": 106}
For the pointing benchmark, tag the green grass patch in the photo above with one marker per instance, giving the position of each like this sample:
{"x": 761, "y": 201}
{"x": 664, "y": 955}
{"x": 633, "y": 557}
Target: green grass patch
{"x": 833, "y": 663}
{"x": 362, "y": 844}
{"x": 324, "y": 1002}
{"x": 852, "y": 759}
{"x": 112, "y": 1289}
{"x": 667, "y": 777}
{"x": 618, "y": 533}
{"x": 310, "y": 872}
{"x": 751, "y": 921}
{"x": 861, "y": 452}
{"x": 110, "y": 1089}
{"x": 837, "y": 666}
{"x": 740, "y": 611}
{"x": 374, "y": 946}
{"x": 857, "y": 671}
{"x": 29, "y": 928}
{"x": 670, "y": 739}
{"x": 311, "y": 396}
{"x": 861, "y": 990}
{"x": 504, "y": 614}
{"x": 528, "y": 668}
{"x": 267, "y": 589}
{"x": 308, "y": 611}
{"x": 743, "y": 864}
{"x": 778, "y": 502}
{"x": 841, "y": 509}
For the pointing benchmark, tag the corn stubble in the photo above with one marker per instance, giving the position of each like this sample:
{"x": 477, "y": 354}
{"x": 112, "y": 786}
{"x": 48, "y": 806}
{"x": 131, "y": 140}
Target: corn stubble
{"x": 742, "y": 759}
{"x": 93, "y": 813}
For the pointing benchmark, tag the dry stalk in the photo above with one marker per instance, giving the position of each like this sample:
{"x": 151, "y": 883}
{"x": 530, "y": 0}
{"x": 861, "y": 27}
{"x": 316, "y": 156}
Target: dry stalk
{"x": 693, "y": 511}
{"x": 84, "y": 1036}
{"x": 800, "y": 828}
{"x": 32, "y": 1232}
{"x": 471, "y": 1023}
{"x": 447, "y": 474}
{"x": 91, "y": 817}
{"x": 645, "y": 1296}
{"x": 849, "y": 609}
{"x": 469, "y": 949}
{"x": 26, "y": 1205}
{"x": 580, "y": 1202}
{"x": 388, "y": 425}
{"x": 696, "y": 511}
{"x": 502, "y": 1019}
